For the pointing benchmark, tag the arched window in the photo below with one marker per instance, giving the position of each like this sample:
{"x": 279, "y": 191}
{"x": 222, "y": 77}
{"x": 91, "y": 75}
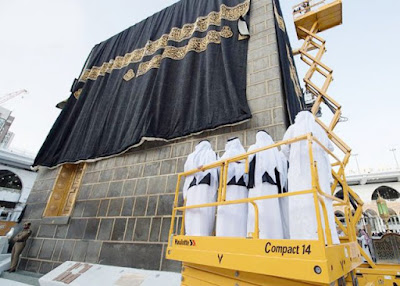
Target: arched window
{"x": 10, "y": 180}
{"x": 386, "y": 193}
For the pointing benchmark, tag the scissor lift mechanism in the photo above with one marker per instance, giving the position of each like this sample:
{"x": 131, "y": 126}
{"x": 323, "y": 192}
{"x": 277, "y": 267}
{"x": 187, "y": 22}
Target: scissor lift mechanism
{"x": 310, "y": 19}
{"x": 252, "y": 261}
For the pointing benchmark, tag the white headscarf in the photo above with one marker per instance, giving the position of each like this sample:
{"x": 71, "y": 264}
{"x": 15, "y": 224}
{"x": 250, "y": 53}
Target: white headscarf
{"x": 305, "y": 123}
{"x": 202, "y": 155}
{"x": 267, "y": 160}
{"x": 237, "y": 169}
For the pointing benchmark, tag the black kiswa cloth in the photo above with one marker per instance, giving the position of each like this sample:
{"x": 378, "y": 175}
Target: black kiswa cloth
{"x": 293, "y": 94}
{"x": 155, "y": 81}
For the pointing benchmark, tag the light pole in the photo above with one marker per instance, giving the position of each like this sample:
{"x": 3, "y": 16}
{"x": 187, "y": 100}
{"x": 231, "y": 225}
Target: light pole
{"x": 395, "y": 158}
{"x": 358, "y": 166}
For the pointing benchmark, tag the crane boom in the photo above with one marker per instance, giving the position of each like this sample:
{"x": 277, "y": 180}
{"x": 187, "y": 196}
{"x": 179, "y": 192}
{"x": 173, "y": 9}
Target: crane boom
{"x": 11, "y": 95}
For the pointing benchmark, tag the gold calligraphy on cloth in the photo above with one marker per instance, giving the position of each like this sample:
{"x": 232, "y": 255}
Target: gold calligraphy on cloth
{"x": 201, "y": 24}
{"x": 195, "y": 44}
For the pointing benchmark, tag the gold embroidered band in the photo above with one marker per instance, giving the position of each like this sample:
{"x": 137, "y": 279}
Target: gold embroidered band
{"x": 293, "y": 75}
{"x": 195, "y": 44}
{"x": 279, "y": 19}
{"x": 78, "y": 93}
{"x": 176, "y": 34}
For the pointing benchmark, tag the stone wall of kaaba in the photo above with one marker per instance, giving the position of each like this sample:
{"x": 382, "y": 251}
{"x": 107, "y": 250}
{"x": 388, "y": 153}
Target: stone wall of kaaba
{"x": 123, "y": 211}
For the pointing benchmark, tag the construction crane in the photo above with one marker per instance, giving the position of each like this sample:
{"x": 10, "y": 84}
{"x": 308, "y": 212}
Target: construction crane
{"x": 253, "y": 261}
{"x": 12, "y": 95}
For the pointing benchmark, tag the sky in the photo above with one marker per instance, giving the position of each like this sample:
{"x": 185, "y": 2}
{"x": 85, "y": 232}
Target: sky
{"x": 44, "y": 44}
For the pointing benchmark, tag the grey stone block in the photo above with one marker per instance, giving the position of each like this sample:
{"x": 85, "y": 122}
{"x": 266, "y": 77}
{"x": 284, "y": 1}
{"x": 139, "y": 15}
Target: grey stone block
{"x": 35, "y": 247}
{"x": 120, "y": 173}
{"x": 32, "y": 265}
{"x": 38, "y": 197}
{"x": 119, "y": 161}
{"x": 127, "y": 207}
{"x": 103, "y": 208}
{"x": 57, "y": 250}
{"x": 142, "y": 229}
{"x": 45, "y": 173}
{"x": 128, "y": 189}
{"x": 46, "y": 230}
{"x": 135, "y": 157}
{"x": 43, "y": 185}
{"x": 151, "y": 205}
{"x": 91, "y": 208}
{"x": 22, "y": 263}
{"x": 67, "y": 249}
{"x": 45, "y": 267}
{"x": 84, "y": 192}
{"x": 78, "y": 209}
{"x": 119, "y": 229}
{"x": 90, "y": 177}
{"x": 91, "y": 228}
{"x": 146, "y": 256}
{"x": 151, "y": 169}
{"x": 129, "y": 229}
{"x": 80, "y": 251}
{"x": 261, "y": 64}
{"x": 168, "y": 167}
{"x": 170, "y": 265}
{"x": 141, "y": 186}
{"x": 106, "y": 226}
{"x": 256, "y": 90}
{"x": 76, "y": 228}
{"x": 99, "y": 190}
{"x": 155, "y": 229}
{"x": 171, "y": 183}
{"x": 47, "y": 249}
{"x": 166, "y": 223}
{"x": 165, "y": 203}
{"x": 106, "y": 175}
{"x": 157, "y": 185}
{"x": 34, "y": 211}
{"x": 92, "y": 252}
{"x": 278, "y": 115}
{"x": 261, "y": 119}
{"x": 115, "y": 189}
{"x": 165, "y": 153}
{"x": 115, "y": 207}
{"x": 135, "y": 171}
{"x": 182, "y": 149}
{"x": 61, "y": 231}
{"x": 140, "y": 206}
{"x": 180, "y": 164}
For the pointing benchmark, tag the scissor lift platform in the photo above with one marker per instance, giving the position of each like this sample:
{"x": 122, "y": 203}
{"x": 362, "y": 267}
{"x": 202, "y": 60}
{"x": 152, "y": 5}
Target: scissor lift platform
{"x": 327, "y": 16}
{"x": 262, "y": 261}
{"x": 255, "y": 261}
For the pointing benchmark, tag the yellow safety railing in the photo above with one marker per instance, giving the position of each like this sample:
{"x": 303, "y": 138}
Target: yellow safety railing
{"x": 318, "y": 194}
{"x": 305, "y": 6}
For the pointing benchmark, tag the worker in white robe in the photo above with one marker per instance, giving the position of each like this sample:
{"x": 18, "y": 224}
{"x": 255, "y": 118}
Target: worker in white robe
{"x": 200, "y": 188}
{"x": 264, "y": 177}
{"x": 232, "y": 219}
{"x": 302, "y": 216}
{"x": 284, "y": 201}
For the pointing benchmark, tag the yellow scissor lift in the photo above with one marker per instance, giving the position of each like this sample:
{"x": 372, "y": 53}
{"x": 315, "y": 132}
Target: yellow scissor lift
{"x": 310, "y": 18}
{"x": 252, "y": 261}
